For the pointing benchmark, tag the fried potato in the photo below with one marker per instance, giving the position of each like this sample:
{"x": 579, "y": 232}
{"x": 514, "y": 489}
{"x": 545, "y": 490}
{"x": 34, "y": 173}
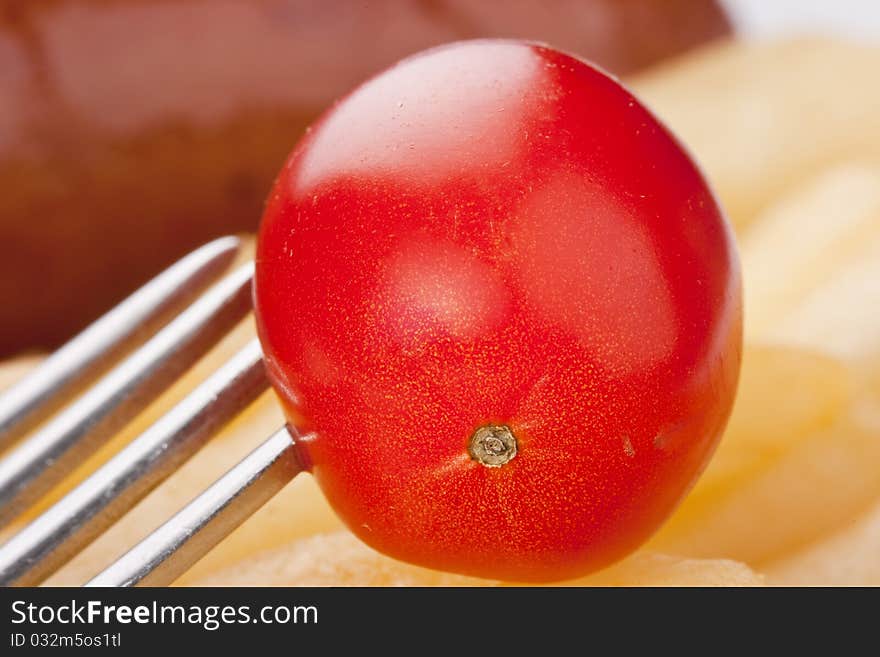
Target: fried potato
{"x": 846, "y": 558}
{"x": 816, "y": 488}
{"x": 762, "y": 116}
{"x": 770, "y": 417}
{"x": 340, "y": 559}
{"x": 841, "y": 315}
{"x": 653, "y": 569}
{"x": 799, "y": 459}
{"x": 811, "y": 265}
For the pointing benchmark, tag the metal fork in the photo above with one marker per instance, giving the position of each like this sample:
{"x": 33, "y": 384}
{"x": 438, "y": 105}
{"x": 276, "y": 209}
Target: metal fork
{"x": 125, "y": 378}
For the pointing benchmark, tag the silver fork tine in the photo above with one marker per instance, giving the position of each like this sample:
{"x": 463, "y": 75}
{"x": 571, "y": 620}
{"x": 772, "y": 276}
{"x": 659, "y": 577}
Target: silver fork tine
{"x": 44, "y": 458}
{"x": 96, "y": 348}
{"x": 169, "y": 551}
{"x": 75, "y": 521}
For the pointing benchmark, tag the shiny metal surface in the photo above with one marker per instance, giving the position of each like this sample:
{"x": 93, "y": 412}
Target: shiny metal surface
{"x": 175, "y": 546}
{"x": 35, "y": 464}
{"x": 79, "y": 362}
{"x": 76, "y": 520}
{"x": 30, "y": 469}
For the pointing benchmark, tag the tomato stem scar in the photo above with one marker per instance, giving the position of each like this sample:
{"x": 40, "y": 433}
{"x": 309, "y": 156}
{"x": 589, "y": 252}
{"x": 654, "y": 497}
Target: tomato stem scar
{"x": 492, "y": 445}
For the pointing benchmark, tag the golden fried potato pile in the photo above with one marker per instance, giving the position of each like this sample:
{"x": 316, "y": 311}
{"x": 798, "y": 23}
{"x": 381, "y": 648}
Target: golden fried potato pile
{"x": 789, "y": 135}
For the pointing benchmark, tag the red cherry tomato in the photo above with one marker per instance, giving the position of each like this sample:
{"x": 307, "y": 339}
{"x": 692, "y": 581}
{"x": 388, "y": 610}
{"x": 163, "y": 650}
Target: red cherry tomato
{"x": 504, "y": 309}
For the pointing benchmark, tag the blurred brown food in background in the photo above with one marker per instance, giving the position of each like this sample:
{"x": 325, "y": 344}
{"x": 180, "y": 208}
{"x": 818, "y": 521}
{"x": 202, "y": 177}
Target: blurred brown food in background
{"x": 133, "y": 130}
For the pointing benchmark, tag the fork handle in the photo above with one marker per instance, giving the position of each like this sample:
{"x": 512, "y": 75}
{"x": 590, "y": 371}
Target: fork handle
{"x": 174, "y": 547}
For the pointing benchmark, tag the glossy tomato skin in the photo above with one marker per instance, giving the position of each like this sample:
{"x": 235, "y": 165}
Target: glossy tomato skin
{"x": 495, "y": 233}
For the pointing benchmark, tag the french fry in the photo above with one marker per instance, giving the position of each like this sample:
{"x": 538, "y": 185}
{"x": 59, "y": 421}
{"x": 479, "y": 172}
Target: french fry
{"x": 798, "y": 460}
{"x": 846, "y": 558}
{"x": 820, "y": 486}
{"x": 842, "y": 315}
{"x": 652, "y": 569}
{"x": 761, "y": 117}
{"x": 340, "y": 559}
{"x": 811, "y": 265}
{"x": 770, "y": 417}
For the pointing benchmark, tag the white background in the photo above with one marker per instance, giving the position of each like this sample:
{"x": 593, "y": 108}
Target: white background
{"x": 852, "y": 19}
